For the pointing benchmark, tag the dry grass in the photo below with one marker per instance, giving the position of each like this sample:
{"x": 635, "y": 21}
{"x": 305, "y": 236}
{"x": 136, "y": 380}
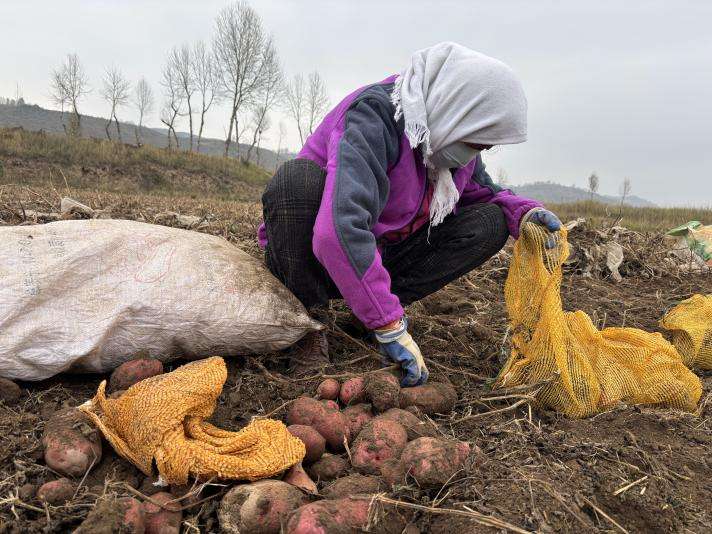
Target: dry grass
{"x": 638, "y": 219}
{"x": 68, "y": 152}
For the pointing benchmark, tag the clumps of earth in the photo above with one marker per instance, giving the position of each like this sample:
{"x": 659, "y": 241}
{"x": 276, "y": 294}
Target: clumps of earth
{"x": 363, "y": 437}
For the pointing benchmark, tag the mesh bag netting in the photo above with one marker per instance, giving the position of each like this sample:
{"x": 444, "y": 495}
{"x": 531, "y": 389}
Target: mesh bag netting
{"x": 583, "y": 370}
{"x": 690, "y": 326}
{"x": 161, "y": 419}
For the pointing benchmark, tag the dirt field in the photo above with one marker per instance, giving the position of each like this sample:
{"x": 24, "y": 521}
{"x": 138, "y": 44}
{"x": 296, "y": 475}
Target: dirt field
{"x": 535, "y": 469}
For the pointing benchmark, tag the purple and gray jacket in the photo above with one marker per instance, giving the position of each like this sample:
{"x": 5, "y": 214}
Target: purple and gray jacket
{"x": 375, "y": 184}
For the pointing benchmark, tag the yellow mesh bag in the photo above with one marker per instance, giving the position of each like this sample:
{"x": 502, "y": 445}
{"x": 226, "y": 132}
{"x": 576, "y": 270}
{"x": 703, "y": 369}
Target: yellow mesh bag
{"x": 690, "y": 324}
{"x": 161, "y": 419}
{"x": 588, "y": 370}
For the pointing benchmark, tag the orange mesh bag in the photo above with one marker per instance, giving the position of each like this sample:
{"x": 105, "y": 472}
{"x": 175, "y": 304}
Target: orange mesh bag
{"x": 161, "y": 419}
{"x": 690, "y": 325}
{"x": 586, "y": 370}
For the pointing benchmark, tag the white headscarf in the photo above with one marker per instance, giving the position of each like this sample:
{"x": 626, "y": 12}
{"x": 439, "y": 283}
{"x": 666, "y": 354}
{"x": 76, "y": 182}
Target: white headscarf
{"x": 450, "y": 93}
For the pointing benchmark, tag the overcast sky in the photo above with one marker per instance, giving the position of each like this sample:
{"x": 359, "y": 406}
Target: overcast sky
{"x": 620, "y": 88}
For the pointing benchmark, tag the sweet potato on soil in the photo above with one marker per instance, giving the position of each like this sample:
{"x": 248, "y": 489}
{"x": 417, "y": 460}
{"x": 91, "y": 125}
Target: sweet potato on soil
{"x": 328, "y": 389}
{"x": 260, "y": 508}
{"x": 10, "y": 392}
{"x": 330, "y": 404}
{"x": 380, "y": 440}
{"x": 357, "y": 416}
{"x": 429, "y": 399}
{"x": 296, "y": 476}
{"x": 313, "y": 441}
{"x": 71, "y": 444}
{"x": 125, "y": 515}
{"x": 413, "y": 426}
{"x": 333, "y": 425}
{"x": 127, "y": 374}
{"x": 304, "y": 410}
{"x": 344, "y": 515}
{"x": 164, "y": 519}
{"x": 382, "y": 389}
{"x": 352, "y": 485}
{"x": 432, "y": 462}
{"x": 56, "y": 492}
{"x": 352, "y": 391}
{"x": 328, "y": 468}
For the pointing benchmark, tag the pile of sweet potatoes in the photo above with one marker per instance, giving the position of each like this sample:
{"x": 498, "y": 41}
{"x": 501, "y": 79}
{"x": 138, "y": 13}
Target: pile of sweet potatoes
{"x": 362, "y": 437}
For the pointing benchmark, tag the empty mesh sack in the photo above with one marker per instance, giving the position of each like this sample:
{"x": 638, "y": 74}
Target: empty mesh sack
{"x": 690, "y": 325}
{"x": 587, "y": 370}
{"x": 86, "y": 296}
{"x": 161, "y": 419}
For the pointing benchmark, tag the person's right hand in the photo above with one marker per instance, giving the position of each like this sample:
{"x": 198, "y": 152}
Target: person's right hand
{"x": 399, "y": 346}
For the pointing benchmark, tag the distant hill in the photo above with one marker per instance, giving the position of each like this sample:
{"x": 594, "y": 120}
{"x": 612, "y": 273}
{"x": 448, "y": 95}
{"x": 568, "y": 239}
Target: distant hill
{"x": 35, "y": 118}
{"x": 552, "y": 193}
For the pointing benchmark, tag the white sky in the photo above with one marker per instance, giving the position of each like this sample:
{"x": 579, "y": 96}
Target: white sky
{"x": 622, "y": 88}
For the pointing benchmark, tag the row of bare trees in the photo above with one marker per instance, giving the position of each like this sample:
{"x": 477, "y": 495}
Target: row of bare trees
{"x": 239, "y": 68}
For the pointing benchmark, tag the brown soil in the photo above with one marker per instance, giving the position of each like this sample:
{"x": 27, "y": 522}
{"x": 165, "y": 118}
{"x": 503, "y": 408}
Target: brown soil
{"x": 537, "y": 470}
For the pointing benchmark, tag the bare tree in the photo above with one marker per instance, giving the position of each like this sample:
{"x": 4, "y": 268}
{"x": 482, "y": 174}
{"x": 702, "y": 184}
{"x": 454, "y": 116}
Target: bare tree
{"x": 296, "y": 103}
{"x": 239, "y": 47}
{"x": 317, "y": 101}
{"x": 181, "y": 65}
{"x": 115, "y": 91}
{"x": 173, "y": 101}
{"x": 269, "y": 95}
{"x": 306, "y": 103}
{"x": 204, "y": 76}
{"x": 69, "y": 86}
{"x": 593, "y": 183}
{"x": 626, "y": 188}
{"x": 144, "y": 102}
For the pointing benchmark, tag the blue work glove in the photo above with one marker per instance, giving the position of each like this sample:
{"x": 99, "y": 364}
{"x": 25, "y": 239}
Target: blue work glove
{"x": 547, "y": 219}
{"x": 399, "y": 346}
{"x": 543, "y": 217}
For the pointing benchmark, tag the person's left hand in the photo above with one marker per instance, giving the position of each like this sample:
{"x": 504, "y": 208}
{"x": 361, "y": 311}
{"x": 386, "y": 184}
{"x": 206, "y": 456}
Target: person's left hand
{"x": 543, "y": 217}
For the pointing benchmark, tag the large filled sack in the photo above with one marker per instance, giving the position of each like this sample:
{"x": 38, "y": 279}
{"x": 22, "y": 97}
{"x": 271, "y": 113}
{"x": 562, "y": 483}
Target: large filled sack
{"x": 583, "y": 370}
{"x": 86, "y": 296}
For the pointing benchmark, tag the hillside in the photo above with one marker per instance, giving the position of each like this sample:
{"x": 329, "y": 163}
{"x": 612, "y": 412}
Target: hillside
{"x": 552, "y": 193}
{"x": 35, "y": 118}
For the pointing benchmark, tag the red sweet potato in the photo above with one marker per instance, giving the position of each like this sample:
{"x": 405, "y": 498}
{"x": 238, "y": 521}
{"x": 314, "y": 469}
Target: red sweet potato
{"x": 261, "y": 507}
{"x": 329, "y": 389}
{"x": 127, "y": 374}
{"x": 124, "y": 515}
{"x": 328, "y": 468}
{"x": 338, "y": 516}
{"x": 413, "y": 426}
{"x": 357, "y": 416}
{"x": 429, "y": 399}
{"x": 71, "y": 444}
{"x": 382, "y": 389}
{"x": 56, "y": 492}
{"x": 433, "y": 462}
{"x": 333, "y": 425}
{"x": 352, "y": 391}
{"x": 313, "y": 441}
{"x": 164, "y": 519}
{"x": 296, "y": 476}
{"x": 330, "y": 404}
{"x": 380, "y": 440}
{"x": 304, "y": 410}
{"x": 352, "y": 485}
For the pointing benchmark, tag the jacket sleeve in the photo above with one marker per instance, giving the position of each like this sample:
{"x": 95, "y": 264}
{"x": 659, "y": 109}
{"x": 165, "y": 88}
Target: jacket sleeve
{"x": 481, "y": 188}
{"x": 359, "y": 156}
